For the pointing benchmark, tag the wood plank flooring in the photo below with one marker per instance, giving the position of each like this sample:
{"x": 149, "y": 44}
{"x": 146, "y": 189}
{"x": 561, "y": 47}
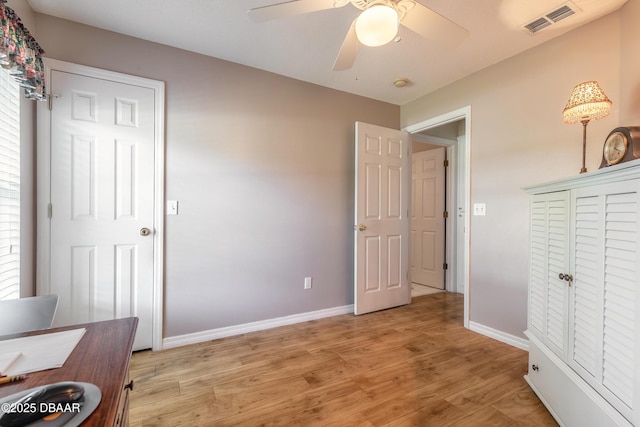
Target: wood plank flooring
{"x": 409, "y": 366}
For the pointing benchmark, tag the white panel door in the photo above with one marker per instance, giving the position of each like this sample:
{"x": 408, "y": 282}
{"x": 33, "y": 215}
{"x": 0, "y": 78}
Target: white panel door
{"x": 102, "y": 189}
{"x": 427, "y": 219}
{"x": 381, "y": 218}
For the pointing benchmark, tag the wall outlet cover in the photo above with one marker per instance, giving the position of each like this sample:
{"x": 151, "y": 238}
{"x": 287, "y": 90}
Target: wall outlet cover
{"x": 479, "y": 209}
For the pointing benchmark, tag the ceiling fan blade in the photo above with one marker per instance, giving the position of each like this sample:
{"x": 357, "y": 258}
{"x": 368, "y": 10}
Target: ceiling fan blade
{"x": 433, "y": 26}
{"x": 348, "y": 50}
{"x": 290, "y": 8}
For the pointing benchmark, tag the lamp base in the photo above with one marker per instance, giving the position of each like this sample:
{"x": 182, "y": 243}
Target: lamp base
{"x": 584, "y": 122}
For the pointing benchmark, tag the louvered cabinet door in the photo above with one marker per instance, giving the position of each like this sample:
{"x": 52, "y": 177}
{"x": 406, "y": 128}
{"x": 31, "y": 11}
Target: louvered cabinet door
{"x": 549, "y": 257}
{"x": 603, "y": 328}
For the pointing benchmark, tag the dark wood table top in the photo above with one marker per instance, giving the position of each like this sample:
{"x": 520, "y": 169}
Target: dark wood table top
{"x": 101, "y": 358}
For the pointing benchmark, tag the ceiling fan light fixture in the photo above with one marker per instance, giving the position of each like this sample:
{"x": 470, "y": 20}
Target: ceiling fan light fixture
{"x": 377, "y": 25}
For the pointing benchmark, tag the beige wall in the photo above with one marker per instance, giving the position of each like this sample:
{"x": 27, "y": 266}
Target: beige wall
{"x": 24, "y": 11}
{"x": 630, "y": 64}
{"x": 518, "y": 139}
{"x": 262, "y": 167}
{"x": 418, "y": 146}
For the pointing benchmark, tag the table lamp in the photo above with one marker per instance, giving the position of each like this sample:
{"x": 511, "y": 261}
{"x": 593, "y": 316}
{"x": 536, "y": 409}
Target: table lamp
{"x": 587, "y": 102}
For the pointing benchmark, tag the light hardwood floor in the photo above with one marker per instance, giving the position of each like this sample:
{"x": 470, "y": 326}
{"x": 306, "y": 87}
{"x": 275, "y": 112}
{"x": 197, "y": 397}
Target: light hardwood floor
{"x": 409, "y": 366}
{"x": 418, "y": 290}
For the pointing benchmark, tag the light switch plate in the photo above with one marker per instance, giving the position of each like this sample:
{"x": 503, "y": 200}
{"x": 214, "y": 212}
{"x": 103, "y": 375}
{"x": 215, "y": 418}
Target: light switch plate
{"x": 172, "y": 207}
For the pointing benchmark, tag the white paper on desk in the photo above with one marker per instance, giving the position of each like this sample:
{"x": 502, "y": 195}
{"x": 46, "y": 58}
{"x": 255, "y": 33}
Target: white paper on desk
{"x": 7, "y": 360}
{"x": 40, "y": 352}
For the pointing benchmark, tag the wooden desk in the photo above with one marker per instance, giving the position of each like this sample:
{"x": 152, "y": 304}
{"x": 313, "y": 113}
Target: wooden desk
{"x": 101, "y": 358}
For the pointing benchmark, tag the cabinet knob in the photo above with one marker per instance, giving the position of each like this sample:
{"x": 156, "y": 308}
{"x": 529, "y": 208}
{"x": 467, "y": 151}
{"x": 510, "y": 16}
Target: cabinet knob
{"x": 129, "y": 386}
{"x": 535, "y": 367}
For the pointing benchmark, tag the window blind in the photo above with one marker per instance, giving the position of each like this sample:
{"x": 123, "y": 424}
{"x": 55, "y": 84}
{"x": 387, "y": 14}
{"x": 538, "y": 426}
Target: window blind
{"x": 9, "y": 186}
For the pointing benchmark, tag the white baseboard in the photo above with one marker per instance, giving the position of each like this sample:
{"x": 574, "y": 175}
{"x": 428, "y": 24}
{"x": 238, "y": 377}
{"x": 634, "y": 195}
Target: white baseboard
{"x": 518, "y": 342}
{"x": 212, "y": 334}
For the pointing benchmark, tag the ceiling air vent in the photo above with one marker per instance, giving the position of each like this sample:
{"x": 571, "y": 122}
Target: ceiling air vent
{"x": 537, "y": 25}
{"x": 559, "y": 14}
{"x": 552, "y": 17}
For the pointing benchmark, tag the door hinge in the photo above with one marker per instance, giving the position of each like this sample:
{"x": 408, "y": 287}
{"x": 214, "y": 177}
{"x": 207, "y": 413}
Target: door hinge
{"x": 50, "y": 210}
{"x": 445, "y": 266}
{"x": 446, "y": 163}
{"x": 445, "y": 214}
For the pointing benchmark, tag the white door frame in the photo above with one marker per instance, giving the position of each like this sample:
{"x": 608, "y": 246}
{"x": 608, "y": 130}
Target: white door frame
{"x": 463, "y": 173}
{"x": 43, "y": 234}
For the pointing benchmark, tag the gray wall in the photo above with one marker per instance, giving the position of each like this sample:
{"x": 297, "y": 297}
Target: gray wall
{"x": 262, "y": 167}
{"x": 518, "y": 139}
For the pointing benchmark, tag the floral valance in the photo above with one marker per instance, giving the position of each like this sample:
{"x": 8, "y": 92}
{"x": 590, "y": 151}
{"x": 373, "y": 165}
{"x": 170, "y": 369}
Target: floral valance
{"x": 21, "y": 54}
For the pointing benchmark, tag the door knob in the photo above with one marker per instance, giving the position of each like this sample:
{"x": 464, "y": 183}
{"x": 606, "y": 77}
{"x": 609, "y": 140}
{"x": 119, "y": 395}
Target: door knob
{"x": 144, "y": 231}
{"x": 362, "y": 227}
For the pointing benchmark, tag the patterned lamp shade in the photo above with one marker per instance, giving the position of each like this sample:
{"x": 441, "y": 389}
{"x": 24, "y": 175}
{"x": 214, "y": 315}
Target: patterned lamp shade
{"x": 588, "y": 102}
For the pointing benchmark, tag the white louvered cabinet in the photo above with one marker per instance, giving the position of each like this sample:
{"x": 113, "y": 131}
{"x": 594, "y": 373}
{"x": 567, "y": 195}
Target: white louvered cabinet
{"x": 584, "y": 297}
{"x": 548, "y": 295}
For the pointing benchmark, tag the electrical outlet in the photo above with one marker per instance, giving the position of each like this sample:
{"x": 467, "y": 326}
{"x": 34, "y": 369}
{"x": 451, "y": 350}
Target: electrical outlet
{"x": 307, "y": 282}
{"x": 479, "y": 209}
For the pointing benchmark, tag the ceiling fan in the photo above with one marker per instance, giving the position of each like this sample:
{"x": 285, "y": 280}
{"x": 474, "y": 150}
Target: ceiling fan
{"x": 375, "y": 26}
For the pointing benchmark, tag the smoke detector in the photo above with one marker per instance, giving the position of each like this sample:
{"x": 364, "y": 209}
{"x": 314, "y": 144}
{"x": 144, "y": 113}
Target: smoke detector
{"x": 401, "y": 82}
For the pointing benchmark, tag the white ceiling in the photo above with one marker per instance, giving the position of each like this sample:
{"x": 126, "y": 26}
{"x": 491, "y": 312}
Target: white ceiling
{"x": 304, "y": 47}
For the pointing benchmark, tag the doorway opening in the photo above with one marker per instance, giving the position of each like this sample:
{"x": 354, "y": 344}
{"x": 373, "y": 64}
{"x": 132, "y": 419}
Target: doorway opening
{"x": 452, "y": 131}
{"x": 428, "y": 216}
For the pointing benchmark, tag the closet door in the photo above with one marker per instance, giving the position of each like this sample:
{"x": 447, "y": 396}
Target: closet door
{"x": 604, "y": 296}
{"x": 548, "y": 294}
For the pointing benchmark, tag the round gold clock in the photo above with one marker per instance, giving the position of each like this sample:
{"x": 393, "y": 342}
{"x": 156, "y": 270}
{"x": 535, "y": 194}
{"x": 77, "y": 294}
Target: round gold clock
{"x": 615, "y": 148}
